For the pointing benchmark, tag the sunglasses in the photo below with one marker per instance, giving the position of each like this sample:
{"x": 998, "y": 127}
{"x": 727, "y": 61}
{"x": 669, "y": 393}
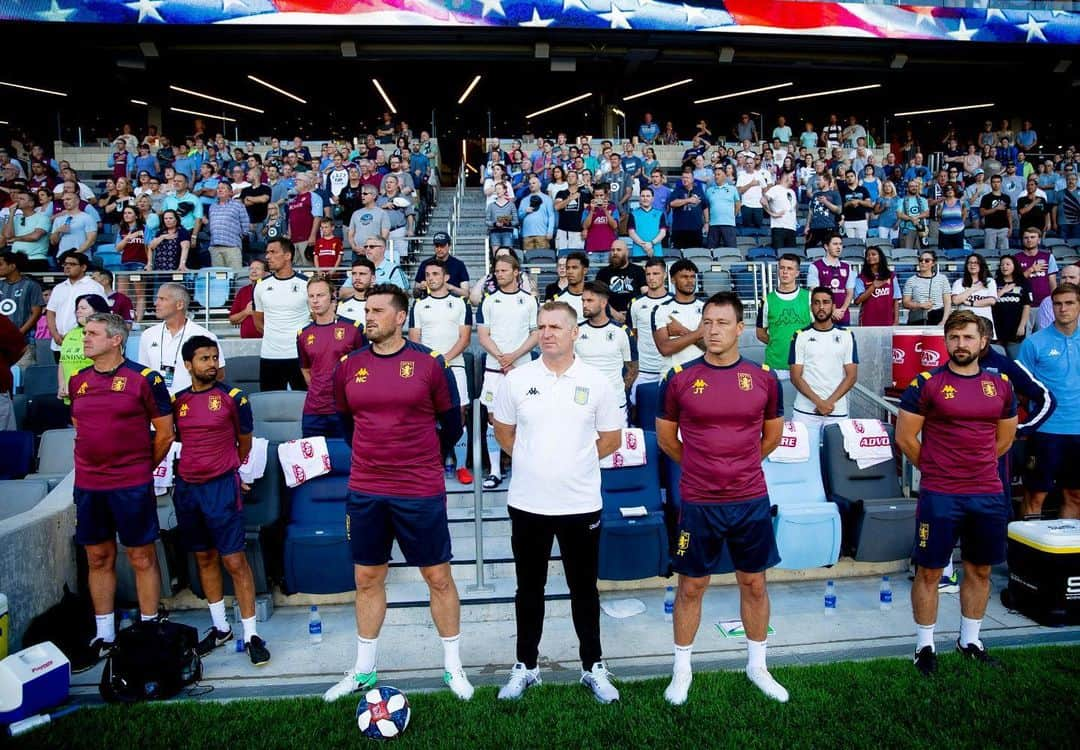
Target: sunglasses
{"x": 367, "y": 246}
{"x": 926, "y": 260}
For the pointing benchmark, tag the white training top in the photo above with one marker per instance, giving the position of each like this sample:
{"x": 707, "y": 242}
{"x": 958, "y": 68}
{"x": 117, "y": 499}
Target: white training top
{"x": 284, "y": 305}
{"x": 574, "y": 300}
{"x": 823, "y": 355}
{"x": 649, "y": 359}
{"x": 687, "y": 313}
{"x": 439, "y": 320}
{"x": 509, "y": 318}
{"x": 607, "y": 348}
{"x": 354, "y": 309}
{"x": 557, "y": 420}
{"x": 159, "y": 350}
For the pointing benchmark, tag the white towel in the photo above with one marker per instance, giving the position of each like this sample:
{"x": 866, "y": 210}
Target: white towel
{"x": 631, "y": 451}
{"x": 254, "y": 465}
{"x": 163, "y": 472}
{"x": 866, "y": 442}
{"x": 794, "y": 445}
{"x": 304, "y": 459}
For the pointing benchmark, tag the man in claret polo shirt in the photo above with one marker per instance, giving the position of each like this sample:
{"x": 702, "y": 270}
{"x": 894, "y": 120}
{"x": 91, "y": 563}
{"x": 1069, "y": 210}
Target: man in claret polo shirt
{"x": 113, "y": 405}
{"x": 321, "y": 344}
{"x": 215, "y": 421}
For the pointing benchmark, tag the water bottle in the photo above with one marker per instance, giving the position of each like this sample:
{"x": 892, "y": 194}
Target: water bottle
{"x": 314, "y": 625}
{"x": 669, "y": 604}
{"x": 830, "y": 598}
{"x": 885, "y": 594}
{"x": 125, "y": 620}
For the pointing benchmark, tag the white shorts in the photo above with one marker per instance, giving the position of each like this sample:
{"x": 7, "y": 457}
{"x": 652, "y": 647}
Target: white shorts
{"x": 565, "y": 240}
{"x": 462, "y": 383}
{"x": 490, "y": 388}
{"x": 855, "y": 229}
{"x": 815, "y": 419}
{"x": 642, "y": 377}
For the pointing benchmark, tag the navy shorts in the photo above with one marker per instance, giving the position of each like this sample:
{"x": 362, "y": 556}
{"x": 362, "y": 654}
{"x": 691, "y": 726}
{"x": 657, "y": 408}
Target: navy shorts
{"x": 980, "y": 522}
{"x": 210, "y": 515}
{"x": 326, "y": 425}
{"x": 704, "y": 528}
{"x": 1052, "y": 462}
{"x": 102, "y": 515}
{"x": 373, "y": 522}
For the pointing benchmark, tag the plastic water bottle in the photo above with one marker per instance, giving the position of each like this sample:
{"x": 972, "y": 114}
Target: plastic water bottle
{"x": 314, "y": 625}
{"x": 125, "y": 620}
{"x": 885, "y": 594}
{"x": 669, "y": 604}
{"x": 830, "y": 598}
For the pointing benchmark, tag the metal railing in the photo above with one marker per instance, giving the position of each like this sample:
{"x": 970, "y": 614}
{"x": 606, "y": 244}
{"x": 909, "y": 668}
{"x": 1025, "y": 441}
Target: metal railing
{"x": 480, "y": 586}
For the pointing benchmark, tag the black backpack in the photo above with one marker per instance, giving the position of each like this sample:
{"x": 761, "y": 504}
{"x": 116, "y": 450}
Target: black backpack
{"x": 68, "y": 624}
{"x": 151, "y": 661}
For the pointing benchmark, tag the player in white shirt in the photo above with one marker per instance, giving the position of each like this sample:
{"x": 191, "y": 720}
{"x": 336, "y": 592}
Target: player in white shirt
{"x": 281, "y": 309}
{"x": 577, "y": 266}
{"x": 353, "y": 301}
{"x": 605, "y": 344}
{"x": 676, "y": 323}
{"x": 640, "y": 318}
{"x": 824, "y": 365}
{"x": 506, "y": 328}
{"x": 160, "y": 345}
{"x": 443, "y": 322}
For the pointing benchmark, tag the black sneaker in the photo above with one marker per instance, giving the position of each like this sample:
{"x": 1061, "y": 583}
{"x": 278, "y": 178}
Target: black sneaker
{"x": 492, "y": 481}
{"x": 257, "y": 651}
{"x": 926, "y": 661}
{"x": 978, "y": 653}
{"x": 212, "y": 640}
{"x": 88, "y": 659}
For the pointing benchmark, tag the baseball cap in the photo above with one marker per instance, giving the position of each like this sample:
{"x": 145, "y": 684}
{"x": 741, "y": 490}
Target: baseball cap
{"x": 440, "y": 238}
{"x": 978, "y": 171}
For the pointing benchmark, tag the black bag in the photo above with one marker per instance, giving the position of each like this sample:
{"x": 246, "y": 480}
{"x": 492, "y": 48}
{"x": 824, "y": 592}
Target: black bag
{"x": 69, "y": 624}
{"x": 151, "y": 661}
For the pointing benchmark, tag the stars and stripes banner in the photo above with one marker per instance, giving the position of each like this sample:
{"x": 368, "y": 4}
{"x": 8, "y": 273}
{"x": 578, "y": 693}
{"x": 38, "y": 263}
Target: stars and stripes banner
{"x": 847, "y": 19}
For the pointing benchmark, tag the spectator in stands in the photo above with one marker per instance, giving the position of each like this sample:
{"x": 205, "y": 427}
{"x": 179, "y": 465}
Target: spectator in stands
{"x": 1044, "y": 318}
{"x": 752, "y": 181}
{"x": 121, "y": 161}
{"x": 328, "y": 249}
{"x": 781, "y": 204}
{"x": 60, "y": 309}
{"x": 305, "y": 209}
{"x": 1032, "y": 209}
{"x": 745, "y": 129}
{"x": 648, "y": 164}
{"x": 27, "y": 232}
{"x": 976, "y": 290}
{"x": 119, "y": 304}
{"x": 829, "y": 271}
{"x": 1038, "y": 266}
{"x": 647, "y": 227}
{"x": 228, "y": 222}
{"x": 242, "y": 311}
{"x": 624, "y": 281}
{"x": 571, "y": 202}
{"x": 206, "y": 186}
{"x": 188, "y": 208}
{"x": 973, "y": 195}
{"x": 994, "y": 208}
{"x": 669, "y": 137}
{"x": 556, "y": 287}
{"x": 914, "y": 216}
{"x": 648, "y": 131}
{"x": 823, "y": 368}
{"x": 885, "y": 208}
{"x": 12, "y": 350}
{"x": 72, "y": 357}
{"x": 601, "y": 224}
{"x": 537, "y": 215}
{"x": 21, "y": 301}
{"x": 368, "y": 220}
{"x": 826, "y": 207}
{"x": 661, "y": 192}
{"x": 457, "y": 283}
{"x": 724, "y": 201}
{"x": 926, "y": 294}
{"x": 169, "y": 250}
{"x": 501, "y": 215}
{"x": 783, "y": 312}
{"x": 1013, "y": 306}
{"x": 1068, "y": 209}
{"x": 399, "y": 209}
{"x": 877, "y": 291}
{"x": 689, "y": 212}
{"x": 1050, "y": 355}
{"x": 72, "y": 228}
{"x": 951, "y": 220}
{"x": 856, "y": 205}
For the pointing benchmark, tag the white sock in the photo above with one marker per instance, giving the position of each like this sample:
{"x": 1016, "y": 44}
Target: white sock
{"x": 106, "y": 627}
{"x": 948, "y": 572}
{"x": 147, "y": 618}
{"x": 494, "y": 452}
{"x": 925, "y": 635}
{"x": 451, "y": 648}
{"x": 969, "y": 631}
{"x": 217, "y": 614}
{"x": 249, "y": 628}
{"x": 366, "y": 649}
{"x": 682, "y": 658}
{"x": 755, "y": 654}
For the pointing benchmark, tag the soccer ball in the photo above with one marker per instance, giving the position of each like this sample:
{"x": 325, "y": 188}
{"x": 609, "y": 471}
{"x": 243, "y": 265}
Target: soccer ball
{"x": 383, "y": 713}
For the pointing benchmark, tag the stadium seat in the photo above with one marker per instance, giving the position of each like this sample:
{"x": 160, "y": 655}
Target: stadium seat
{"x": 16, "y": 453}
{"x": 20, "y": 495}
{"x": 243, "y": 373}
{"x": 976, "y": 238}
{"x": 957, "y": 253}
{"x": 761, "y": 252}
{"x": 672, "y": 253}
{"x": 807, "y": 528}
{"x": 814, "y": 252}
{"x": 637, "y": 547}
{"x": 540, "y": 256}
{"x": 698, "y": 254}
{"x": 728, "y": 254}
{"x": 799, "y": 251}
{"x": 277, "y": 414}
{"x": 854, "y": 250}
{"x": 39, "y": 380}
{"x": 647, "y": 405}
{"x": 212, "y": 286}
{"x": 56, "y": 456}
{"x": 714, "y": 280}
{"x": 878, "y": 524}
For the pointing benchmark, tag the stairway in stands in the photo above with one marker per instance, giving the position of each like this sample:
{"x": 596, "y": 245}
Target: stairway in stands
{"x": 471, "y": 232}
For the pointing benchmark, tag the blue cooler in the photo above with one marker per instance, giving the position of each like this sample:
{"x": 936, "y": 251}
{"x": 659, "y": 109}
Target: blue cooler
{"x": 1044, "y": 571}
{"x": 33, "y": 680}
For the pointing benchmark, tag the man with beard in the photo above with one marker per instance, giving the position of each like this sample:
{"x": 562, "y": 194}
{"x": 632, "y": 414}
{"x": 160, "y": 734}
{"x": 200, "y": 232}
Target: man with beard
{"x": 824, "y": 365}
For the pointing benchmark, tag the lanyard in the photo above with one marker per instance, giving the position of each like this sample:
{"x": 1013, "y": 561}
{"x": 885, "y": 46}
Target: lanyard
{"x": 176, "y": 353}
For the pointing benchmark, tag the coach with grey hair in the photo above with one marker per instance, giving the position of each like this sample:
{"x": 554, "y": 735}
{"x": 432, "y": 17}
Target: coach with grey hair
{"x": 160, "y": 346}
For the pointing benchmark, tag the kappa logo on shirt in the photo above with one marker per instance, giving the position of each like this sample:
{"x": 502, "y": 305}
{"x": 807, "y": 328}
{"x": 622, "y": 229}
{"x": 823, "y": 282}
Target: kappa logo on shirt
{"x": 361, "y": 375}
{"x": 532, "y": 392}
{"x": 699, "y": 387}
{"x": 310, "y": 339}
{"x": 948, "y": 392}
{"x": 183, "y": 410}
{"x": 82, "y": 390}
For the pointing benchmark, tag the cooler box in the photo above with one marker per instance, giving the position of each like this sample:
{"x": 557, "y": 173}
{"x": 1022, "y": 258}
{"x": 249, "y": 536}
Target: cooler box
{"x": 1044, "y": 571}
{"x": 905, "y": 355}
{"x": 33, "y": 680}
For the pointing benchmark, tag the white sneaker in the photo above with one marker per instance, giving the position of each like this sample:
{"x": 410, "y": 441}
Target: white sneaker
{"x": 765, "y": 683}
{"x": 679, "y": 688}
{"x": 350, "y": 683}
{"x": 458, "y": 683}
{"x": 598, "y": 679}
{"x": 521, "y": 679}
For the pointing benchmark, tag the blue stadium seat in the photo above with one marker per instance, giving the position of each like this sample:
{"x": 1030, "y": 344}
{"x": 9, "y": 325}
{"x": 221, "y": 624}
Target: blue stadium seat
{"x": 20, "y": 495}
{"x": 761, "y": 252}
{"x": 16, "y": 453}
{"x": 106, "y": 256}
{"x": 647, "y": 405}
{"x": 212, "y": 286}
{"x": 277, "y": 414}
{"x": 39, "y": 380}
{"x": 131, "y": 348}
{"x": 878, "y": 524}
{"x": 807, "y": 528}
{"x": 633, "y": 548}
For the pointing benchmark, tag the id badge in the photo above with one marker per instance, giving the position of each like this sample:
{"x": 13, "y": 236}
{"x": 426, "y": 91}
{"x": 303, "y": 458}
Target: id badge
{"x": 167, "y": 373}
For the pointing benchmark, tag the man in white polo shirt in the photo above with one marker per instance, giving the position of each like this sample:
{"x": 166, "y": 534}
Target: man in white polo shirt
{"x": 605, "y": 344}
{"x": 281, "y": 309}
{"x": 160, "y": 346}
{"x": 557, "y": 411}
{"x": 824, "y": 364}
{"x": 60, "y": 311}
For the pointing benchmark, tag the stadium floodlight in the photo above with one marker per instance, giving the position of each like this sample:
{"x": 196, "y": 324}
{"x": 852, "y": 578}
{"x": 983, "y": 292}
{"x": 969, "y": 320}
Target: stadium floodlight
{"x": 469, "y": 90}
{"x": 658, "y": 89}
{"x": 281, "y": 91}
{"x": 553, "y": 107}
{"x": 32, "y": 88}
{"x": 943, "y": 109}
{"x": 4, "y": 122}
{"x": 831, "y": 91}
{"x": 747, "y": 92}
{"x": 382, "y": 93}
{"x": 201, "y": 95}
{"x": 140, "y": 102}
{"x": 202, "y": 114}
